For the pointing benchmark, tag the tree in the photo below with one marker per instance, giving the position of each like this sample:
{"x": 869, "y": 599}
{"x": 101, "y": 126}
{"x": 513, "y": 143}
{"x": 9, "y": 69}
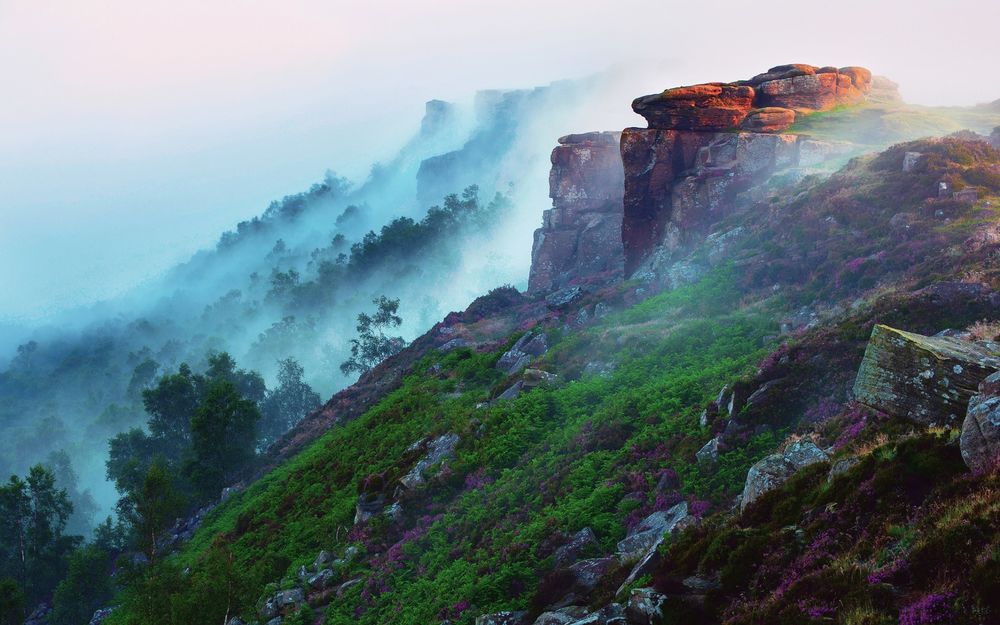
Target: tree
{"x": 249, "y": 384}
{"x": 170, "y": 405}
{"x": 86, "y": 587}
{"x": 151, "y": 508}
{"x": 84, "y": 506}
{"x": 33, "y": 514}
{"x": 223, "y": 437}
{"x": 11, "y": 602}
{"x": 372, "y": 345}
{"x": 130, "y": 454}
{"x": 286, "y": 404}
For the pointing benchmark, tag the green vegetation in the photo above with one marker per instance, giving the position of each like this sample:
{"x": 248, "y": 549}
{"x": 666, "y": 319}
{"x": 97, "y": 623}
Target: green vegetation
{"x": 372, "y": 346}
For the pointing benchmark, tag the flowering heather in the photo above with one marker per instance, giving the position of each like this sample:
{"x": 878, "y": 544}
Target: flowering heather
{"x": 932, "y": 608}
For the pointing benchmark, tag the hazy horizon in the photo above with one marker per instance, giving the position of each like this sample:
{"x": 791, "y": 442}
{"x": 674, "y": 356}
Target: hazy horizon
{"x": 138, "y": 134}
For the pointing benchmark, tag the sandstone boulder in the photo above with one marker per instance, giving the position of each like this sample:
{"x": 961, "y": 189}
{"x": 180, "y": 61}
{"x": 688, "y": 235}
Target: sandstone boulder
{"x": 774, "y": 470}
{"x": 928, "y": 379}
{"x": 769, "y": 119}
{"x": 980, "y": 440}
{"x": 705, "y": 107}
{"x": 819, "y": 91}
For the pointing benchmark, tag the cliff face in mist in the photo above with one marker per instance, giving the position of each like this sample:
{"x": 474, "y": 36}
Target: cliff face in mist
{"x": 752, "y": 380}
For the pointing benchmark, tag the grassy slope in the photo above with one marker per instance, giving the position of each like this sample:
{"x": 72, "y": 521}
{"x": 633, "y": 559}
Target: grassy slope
{"x": 590, "y": 451}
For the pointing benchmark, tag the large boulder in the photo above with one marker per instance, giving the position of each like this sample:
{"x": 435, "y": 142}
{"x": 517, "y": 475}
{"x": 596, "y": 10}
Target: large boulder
{"x": 651, "y": 531}
{"x": 562, "y": 616}
{"x": 705, "y": 107}
{"x": 772, "y": 471}
{"x": 821, "y": 90}
{"x": 928, "y": 379}
{"x": 611, "y": 614}
{"x": 980, "y": 440}
{"x": 587, "y": 575}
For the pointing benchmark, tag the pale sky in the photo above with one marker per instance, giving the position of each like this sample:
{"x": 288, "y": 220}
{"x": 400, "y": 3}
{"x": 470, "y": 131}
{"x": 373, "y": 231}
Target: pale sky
{"x": 133, "y": 132}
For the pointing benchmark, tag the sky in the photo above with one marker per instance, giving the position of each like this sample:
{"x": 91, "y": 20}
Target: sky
{"x": 133, "y": 133}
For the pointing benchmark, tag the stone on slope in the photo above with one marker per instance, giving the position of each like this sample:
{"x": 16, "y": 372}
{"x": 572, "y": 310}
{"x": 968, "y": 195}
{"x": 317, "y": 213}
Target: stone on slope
{"x": 562, "y": 616}
{"x": 772, "y": 471}
{"x": 526, "y": 349}
{"x": 439, "y": 450}
{"x": 645, "y": 607}
{"x": 651, "y": 531}
{"x": 502, "y": 618}
{"x": 583, "y": 544}
{"x": 927, "y": 379}
{"x": 980, "y": 440}
{"x": 705, "y": 107}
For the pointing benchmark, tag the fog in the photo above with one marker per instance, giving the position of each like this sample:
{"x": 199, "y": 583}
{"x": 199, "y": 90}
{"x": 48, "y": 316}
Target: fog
{"x": 136, "y": 132}
{"x": 135, "y": 136}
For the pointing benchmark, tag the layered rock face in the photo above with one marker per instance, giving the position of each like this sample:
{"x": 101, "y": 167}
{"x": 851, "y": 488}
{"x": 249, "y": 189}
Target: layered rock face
{"x": 706, "y": 143}
{"x": 581, "y": 234}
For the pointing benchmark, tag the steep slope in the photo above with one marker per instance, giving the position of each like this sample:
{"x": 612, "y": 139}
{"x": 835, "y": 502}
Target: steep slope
{"x": 655, "y": 450}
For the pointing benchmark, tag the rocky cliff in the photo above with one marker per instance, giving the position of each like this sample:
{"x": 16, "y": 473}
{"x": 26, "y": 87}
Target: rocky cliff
{"x": 581, "y": 234}
{"x": 707, "y": 143}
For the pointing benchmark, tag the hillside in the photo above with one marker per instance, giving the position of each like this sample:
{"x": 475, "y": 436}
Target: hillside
{"x": 679, "y": 434}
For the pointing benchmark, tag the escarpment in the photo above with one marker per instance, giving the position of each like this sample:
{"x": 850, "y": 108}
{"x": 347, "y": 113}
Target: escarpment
{"x": 581, "y": 233}
{"x": 705, "y": 148}
{"x": 707, "y": 143}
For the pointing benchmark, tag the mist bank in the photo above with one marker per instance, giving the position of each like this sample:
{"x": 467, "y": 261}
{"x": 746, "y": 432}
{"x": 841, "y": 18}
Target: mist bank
{"x": 291, "y": 281}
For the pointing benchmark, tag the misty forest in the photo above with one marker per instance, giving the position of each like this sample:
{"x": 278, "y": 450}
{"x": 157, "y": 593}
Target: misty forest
{"x": 566, "y": 354}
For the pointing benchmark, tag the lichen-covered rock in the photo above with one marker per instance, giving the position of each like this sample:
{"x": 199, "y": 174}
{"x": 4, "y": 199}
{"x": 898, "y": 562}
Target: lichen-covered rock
{"x": 928, "y": 379}
{"x": 645, "y": 607}
{"x": 710, "y": 106}
{"x": 709, "y": 453}
{"x": 611, "y": 614}
{"x": 562, "y": 616}
{"x": 502, "y": 618}
{"x": 774, "y": 470}
{"x": 651, "y": 531}
{"x": 526, "y": 349}
{"x": 439, "y": 451}
{"x": 980, "y": 439}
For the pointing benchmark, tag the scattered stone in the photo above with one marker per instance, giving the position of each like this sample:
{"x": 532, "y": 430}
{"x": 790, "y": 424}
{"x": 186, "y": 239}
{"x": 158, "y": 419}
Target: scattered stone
{"x": 103, "y": 613}
{"x": 583, "y": 544}
{"x": 980, "y": 439}
{"x": 513, "y": 391}
{"x": 369, "y": 504}
{"x": 439, "y": 451}
{"x": 645, "y": 607}
{"x": 587, "y": 575}
{"x": 774, "y": 470}
{"x": 562, "y": 616}
{"x": 968, "y": 196}
{"x": 928, "y": 379}
{"x": 453, "y": 344}
{"x": 321, "y": 580}
{"x": 709, "y": 453}
{"x": 911, "y": 160}
{"x": 842, "y": 466}
{"x": 502, "y": 618}
{"x": 611, "y": 614}
{"x": 564, "y": 297}
{"x": 347, "y": 585}
{"x": 526, "y": 349}
{"x": 651, "y": 531}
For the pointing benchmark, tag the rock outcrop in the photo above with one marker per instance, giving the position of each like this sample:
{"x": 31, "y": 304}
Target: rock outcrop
{"x": 706, "y": 143}
{"x": 581, "y": 234}
{"x": 980, "y": 440}
{"x": 927, "y": 379}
